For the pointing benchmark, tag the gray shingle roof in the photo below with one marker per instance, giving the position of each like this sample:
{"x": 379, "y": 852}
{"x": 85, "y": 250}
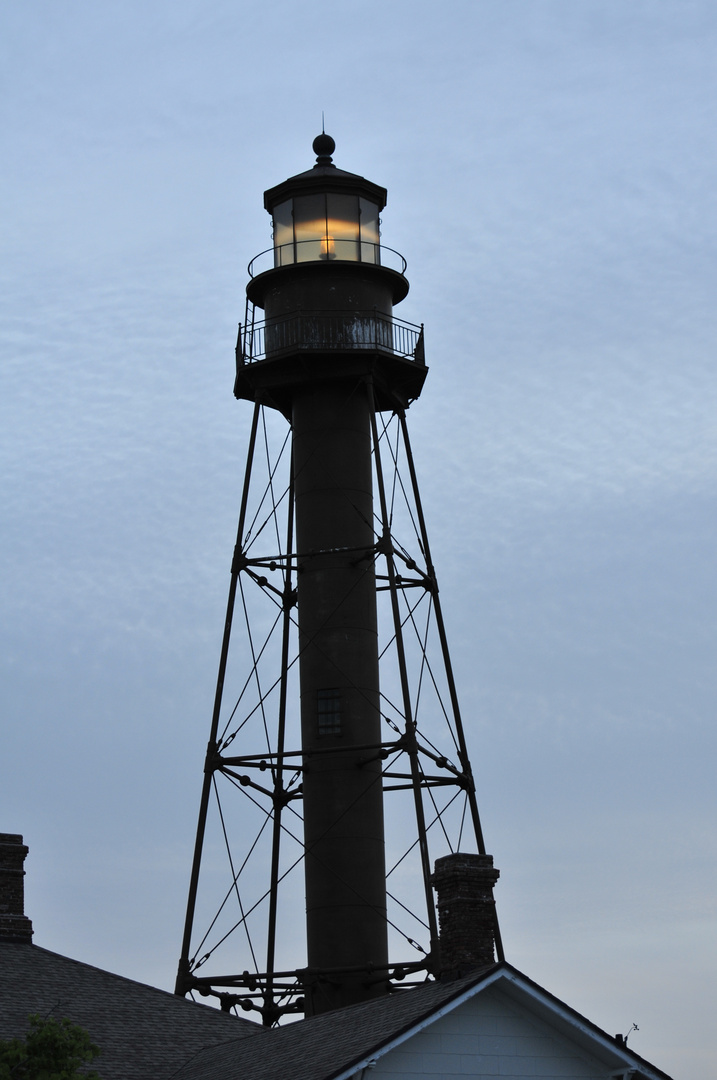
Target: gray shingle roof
{"x": 323, "y": 1046}
{"x": 143, "y": 1033}
{"x": 333, "y": 1044}
{"x": 148, "y": 1034}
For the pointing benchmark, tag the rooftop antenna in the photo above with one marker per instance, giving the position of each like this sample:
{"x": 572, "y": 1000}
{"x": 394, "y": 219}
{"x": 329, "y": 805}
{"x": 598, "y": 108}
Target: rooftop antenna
{"x": 323, "y": 125}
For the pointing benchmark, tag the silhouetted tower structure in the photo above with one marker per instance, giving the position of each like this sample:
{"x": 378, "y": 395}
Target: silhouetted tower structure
{"x": 330, "y": 358}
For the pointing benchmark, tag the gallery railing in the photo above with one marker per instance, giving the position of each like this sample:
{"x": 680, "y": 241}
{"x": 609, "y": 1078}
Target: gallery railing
{"x": 327, "y": 249}
{"x": 328, "y": 331}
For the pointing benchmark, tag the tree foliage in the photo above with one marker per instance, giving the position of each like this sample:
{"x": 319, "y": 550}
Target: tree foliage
{"x": 51, "y": 1050}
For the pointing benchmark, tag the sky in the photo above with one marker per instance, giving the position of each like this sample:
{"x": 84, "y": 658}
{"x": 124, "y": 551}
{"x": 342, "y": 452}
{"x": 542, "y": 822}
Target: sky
{"x": 551, "y": 173}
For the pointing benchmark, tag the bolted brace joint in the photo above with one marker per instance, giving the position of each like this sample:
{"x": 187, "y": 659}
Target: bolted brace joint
{"x": 384, "y": 545}
{"x": 239, "y": 560}
{"x": 466, "y": 782}
{"x": 185, "y": 980}
{"x": 280, "y": 798}
{"x": 213, "y": 759}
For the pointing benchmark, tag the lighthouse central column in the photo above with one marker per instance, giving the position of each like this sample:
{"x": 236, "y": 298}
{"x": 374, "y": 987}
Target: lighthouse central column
{"x": 340, "y": 716}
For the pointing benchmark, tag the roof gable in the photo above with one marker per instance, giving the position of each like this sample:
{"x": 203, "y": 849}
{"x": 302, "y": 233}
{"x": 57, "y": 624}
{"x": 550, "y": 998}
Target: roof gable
{"x": 492, "y": 1034}
{"x": 425, "y": 1027}
{"x": 528, "y": 1011}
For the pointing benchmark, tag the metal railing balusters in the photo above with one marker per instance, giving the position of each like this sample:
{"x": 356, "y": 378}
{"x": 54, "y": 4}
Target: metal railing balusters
{"x": 274, "y": 258}
{"x": 331, "y": 330}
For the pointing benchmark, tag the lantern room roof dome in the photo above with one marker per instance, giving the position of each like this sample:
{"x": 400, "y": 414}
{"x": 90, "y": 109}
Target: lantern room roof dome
{"x": 324, "y": 176}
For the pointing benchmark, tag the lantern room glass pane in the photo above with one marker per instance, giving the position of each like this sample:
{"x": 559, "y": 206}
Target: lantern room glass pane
{"x": 310, "y": 227}
{"x": 369, "y": 231}
{"x": 342, "y": 227}
{"x": 342, "y": 212}
{"x": 283, "y": 234}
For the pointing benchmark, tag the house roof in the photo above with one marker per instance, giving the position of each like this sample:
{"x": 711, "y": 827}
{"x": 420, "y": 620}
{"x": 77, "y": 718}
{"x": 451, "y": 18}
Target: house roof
{"x": 336, "y": 1045}
{"x": 142, "y": 1032}
{"x": 324, "y": 1046}
{"x": 148, "y": 1034}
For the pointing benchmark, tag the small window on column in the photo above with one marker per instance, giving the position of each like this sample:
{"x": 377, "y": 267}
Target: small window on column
{"x": 328, "y": 709}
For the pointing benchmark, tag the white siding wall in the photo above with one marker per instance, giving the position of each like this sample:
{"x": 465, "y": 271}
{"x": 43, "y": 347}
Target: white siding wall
{"x": 490, "y": 1037}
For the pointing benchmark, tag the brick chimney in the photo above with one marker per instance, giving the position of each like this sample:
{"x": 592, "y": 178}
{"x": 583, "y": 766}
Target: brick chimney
{"x": 14, "y": 924}
{"x": 466, "y": 912}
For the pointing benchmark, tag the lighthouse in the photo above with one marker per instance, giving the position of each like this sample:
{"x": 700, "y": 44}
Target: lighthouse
{"x": 322, "y": 348}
